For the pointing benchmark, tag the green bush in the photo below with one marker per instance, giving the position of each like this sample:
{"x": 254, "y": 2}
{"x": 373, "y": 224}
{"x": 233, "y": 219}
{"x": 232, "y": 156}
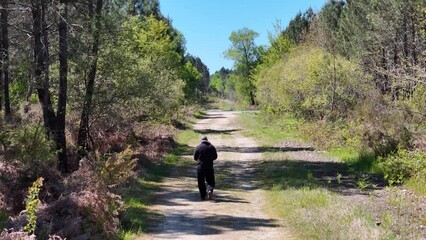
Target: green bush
{"x": 3, "y": 218}
{"x": 311, "y": 83}
{"x": 384, "y": 125}
{"x": 327, "y": 134}
{"x": 4, "y": 135}
{"x": 31, "y": 147}
{"x": 399, "y": 167}
{"x": 31, "y": 205}
{"x": 118, "y": 168}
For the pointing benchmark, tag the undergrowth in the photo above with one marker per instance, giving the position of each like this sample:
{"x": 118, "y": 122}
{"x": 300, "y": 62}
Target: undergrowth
{"x": 270, "y": 131}
{"x": 3, "y": 218}
{"x": 227, "y": 105}
{"x": 31, "y": 205}
{"x": 320, "y": 214}
{"x": 138, "y": 217}
{"x": 357, "y": 161}
{"x": 404, "y": 165}
{"x": 140, "y": 192}
{"x": 417, "y": 184}
{"x": 302, "y": 192}
{"x": 339, "y": 141}
{"x": 311, "y": 206}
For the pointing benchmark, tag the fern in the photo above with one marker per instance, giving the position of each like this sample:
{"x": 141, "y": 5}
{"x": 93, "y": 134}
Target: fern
{"x": 31, "y": 205}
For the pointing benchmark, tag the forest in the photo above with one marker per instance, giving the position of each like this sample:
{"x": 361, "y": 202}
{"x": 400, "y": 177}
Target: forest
{"x": 91, "y": 90}
{"x": 353, "y": 74}
{"x": 76, "y": 78}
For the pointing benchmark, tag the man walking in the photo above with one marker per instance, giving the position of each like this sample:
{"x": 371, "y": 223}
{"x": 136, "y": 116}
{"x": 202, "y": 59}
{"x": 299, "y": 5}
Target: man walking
{"x": 205, "y": 153}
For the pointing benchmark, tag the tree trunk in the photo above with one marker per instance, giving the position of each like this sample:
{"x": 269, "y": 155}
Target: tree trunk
{"x": 61, "y": 143}
{"x": 83, "y": 132}
{"x": 414, "y": 41}
{"x": 132, "y": 8}
{"x": 252, "y": 101}
{"x": 1, "y": 71}
{"x": 333, "y": 96}
{"x": 385, "y": 83}
{"x": 42, "y": 85}
{"x": 247, "y": 76}
{"x": 5, "y": 57}
{"x": 405, "y": 39}
{"x": 45, "y": 42}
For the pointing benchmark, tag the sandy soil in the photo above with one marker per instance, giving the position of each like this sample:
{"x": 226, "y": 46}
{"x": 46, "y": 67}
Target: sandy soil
{"x": 237, "y": 210}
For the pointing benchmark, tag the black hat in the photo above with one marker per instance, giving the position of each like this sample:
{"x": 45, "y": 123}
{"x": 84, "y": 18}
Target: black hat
{"x": 204, "y": 138}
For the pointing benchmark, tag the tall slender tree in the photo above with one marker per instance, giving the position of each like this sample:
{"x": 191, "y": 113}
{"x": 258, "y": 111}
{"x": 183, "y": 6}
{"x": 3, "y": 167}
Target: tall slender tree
{"x": 1, "y": 66}
{"x": 323, "y": 33}
{"x": 83, "y": 132}
{"x": 54, "y": 123}
{"x": 299, "y": 26}
{"x": 5, "y": 55}
{"x": 40, "y": 61}
{"x": 388, "y": 41}
{"x": 146, "y": 8}
{"x": 244, "y": 52}
{"x": 62, "y": 92}
{"x": 203, "y": 83}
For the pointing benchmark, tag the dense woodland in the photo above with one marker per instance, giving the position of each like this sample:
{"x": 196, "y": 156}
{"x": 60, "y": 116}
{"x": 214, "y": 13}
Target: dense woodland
{"x": 79, "y": 79}
{"x": 353, "y": 73}
{"x": 83, "y": 80}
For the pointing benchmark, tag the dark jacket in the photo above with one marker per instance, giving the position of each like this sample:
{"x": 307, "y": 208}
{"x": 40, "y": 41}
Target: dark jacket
{"x": 205, "y": 154}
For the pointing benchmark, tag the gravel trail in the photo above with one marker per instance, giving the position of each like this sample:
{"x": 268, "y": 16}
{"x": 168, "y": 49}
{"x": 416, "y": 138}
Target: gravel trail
{"x": 237, "y": 210}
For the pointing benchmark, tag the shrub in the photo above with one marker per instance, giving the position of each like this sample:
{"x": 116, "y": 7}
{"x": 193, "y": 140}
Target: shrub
{"x": 403, "y": 165}
{"x": 85, "y": 209}
{"x": 118, "y": 167}
{"x": 31, "y": 205}
{"x": 3, "y": 135}
{"x": 326, "y": 134}
{"x": 311, "y": 83}
{"x": 382, "y": 124}
{"x": 3, "y": 218}
{"x": 418, "y": 99}
{"x": 31, "y": 147}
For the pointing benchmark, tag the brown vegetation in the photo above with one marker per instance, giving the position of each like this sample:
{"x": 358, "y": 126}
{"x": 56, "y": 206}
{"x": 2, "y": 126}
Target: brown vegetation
{"x": 84, "y": 204}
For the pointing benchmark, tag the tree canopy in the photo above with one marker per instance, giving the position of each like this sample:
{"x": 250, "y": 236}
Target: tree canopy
{"x": 245, "y": 54}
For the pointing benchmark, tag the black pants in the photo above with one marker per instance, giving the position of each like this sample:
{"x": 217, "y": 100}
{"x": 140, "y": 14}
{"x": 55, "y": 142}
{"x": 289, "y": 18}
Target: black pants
{"x": 203, "y": 176}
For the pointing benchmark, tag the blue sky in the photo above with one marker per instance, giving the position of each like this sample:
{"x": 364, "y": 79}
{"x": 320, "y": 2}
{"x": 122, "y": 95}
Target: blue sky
{"x": 207, "y": 24}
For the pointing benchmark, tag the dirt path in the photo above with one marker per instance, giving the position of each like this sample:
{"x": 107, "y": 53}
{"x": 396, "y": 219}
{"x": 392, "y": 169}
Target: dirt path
{"x": 237, "y": 211}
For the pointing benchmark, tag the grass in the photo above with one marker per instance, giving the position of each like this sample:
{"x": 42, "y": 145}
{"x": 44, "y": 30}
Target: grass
{"x": 358, "y": 162}
{"x": 138, "y": 218}
{"x": 3, "y": 218}
{"x": 279, "y": 173}
{"x": 309, "y": 207}
{"x": 188, "y": 137}
{"x": 298, "y": 195}
{"x": 270, "y": 132}
{"x": 140, "y": 193}
{"x": 222, "y": 177}
{"x": 199, "y": 114}
{"x": 312, "y": 211}
{"x": 306, "y": 194}
{"x": 417, "y": 184}
{"x": 367, "y": 163}
{"x": 227, "y": 105}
